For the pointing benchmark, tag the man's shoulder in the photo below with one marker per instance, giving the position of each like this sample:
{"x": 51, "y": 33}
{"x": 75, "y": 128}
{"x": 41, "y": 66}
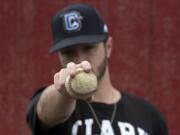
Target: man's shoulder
{"x": 136, "y": 102}
{"x": 38, "y": 92}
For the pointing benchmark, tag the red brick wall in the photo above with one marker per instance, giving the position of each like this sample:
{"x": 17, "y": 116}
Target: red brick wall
{"x": 145, "y": 58}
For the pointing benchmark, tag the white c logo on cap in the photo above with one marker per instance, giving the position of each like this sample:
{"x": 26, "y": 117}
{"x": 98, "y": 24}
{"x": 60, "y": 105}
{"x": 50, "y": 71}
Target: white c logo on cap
{"x": 72, "y": 21}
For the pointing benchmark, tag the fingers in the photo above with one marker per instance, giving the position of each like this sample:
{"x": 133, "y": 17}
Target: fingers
{"x": 86, "y": 66}
{"x": 71, "y": 70}
{"x": 60, "y": 78}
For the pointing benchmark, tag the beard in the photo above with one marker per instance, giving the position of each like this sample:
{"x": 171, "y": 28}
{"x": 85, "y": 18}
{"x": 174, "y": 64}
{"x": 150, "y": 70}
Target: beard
{"x": 102, "y": 68}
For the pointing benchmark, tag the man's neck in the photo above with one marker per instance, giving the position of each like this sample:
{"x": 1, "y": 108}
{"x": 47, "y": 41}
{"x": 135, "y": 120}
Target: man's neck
{"x": 106, "y": 93}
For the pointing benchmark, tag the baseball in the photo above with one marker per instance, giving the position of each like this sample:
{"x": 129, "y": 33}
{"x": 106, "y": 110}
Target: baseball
{"x": 82, "y": 85}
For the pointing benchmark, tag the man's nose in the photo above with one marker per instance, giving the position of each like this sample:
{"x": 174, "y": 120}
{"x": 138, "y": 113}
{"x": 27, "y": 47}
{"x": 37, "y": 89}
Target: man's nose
{"x": 79, "y": 57}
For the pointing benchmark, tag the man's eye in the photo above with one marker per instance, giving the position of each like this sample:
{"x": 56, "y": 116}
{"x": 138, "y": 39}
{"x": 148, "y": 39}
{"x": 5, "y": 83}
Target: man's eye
{"x": 87, "y": 48}
{"x": 69, "y": 55}
{"x": 67, "y": 52}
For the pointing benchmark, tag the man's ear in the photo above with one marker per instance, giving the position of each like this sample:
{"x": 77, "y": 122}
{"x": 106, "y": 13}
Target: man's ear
{"x": 109, "y": 45}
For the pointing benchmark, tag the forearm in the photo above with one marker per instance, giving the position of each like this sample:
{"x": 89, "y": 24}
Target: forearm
{"x": 54, "y": 108}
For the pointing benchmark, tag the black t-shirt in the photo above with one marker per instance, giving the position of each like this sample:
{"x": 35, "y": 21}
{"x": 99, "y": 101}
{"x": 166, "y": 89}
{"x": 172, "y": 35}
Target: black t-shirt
{"x": 134, "y": 116}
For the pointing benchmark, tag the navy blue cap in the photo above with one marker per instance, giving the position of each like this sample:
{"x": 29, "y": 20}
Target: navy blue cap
{"x": 77, "y": 24}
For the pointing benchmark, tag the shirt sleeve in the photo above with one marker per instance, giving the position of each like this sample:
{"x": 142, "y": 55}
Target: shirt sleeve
{"x": 160, "y": 124}
{"x": 34, "y": 122}
{"x": 32, "y": 118}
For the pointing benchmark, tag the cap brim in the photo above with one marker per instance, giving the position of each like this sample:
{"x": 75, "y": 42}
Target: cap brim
{"x": 77, "y": 40}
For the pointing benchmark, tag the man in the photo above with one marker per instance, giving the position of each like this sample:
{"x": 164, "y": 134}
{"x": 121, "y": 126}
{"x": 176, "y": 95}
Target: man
{"x": 81, "y": 40}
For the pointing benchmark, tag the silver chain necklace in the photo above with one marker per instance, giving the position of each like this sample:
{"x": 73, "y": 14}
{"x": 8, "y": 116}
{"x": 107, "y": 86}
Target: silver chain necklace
{"x": 95, "y": 115}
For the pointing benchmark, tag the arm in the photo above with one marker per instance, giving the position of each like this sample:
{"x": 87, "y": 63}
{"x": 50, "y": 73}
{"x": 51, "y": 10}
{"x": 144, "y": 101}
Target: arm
{"x": 54, "y": 108}
{"x": 55, "y": 104}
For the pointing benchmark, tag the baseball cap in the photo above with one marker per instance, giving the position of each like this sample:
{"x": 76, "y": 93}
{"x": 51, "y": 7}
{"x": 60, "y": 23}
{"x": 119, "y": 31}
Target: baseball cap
{"x": 77, "y": 24}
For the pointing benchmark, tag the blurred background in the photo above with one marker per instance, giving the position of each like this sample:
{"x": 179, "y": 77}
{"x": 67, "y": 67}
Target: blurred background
{"x": 145, "y": 60}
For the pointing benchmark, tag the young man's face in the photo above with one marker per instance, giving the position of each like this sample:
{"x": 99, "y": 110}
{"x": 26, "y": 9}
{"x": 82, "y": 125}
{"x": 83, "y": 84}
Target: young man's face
{"x": 96, "y": 54}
